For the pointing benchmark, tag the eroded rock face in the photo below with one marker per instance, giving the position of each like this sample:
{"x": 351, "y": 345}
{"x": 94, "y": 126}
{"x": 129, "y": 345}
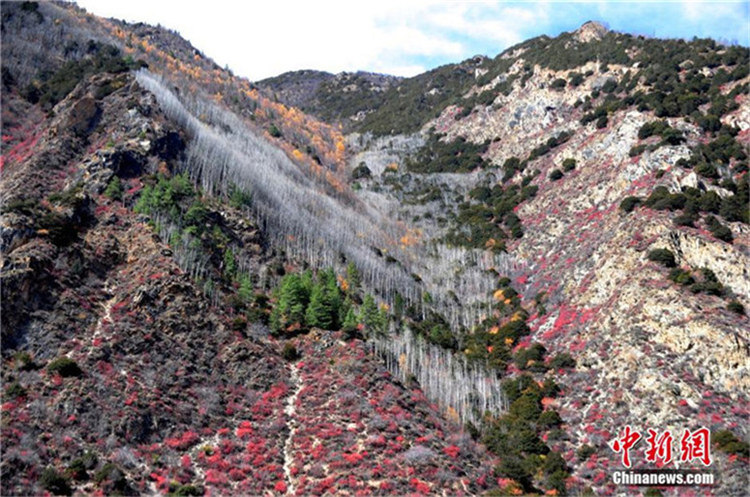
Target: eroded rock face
{"x": 171, "y": 384}
{"x": 590, "y": 31}
{"x": 650, "y": 353}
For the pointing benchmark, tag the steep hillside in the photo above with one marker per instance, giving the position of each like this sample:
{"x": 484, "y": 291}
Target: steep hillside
{"x": 612, "y": 170}
{"x": 345, "y": 98}
{"x": 136, "y": 352}
{"x": 208, "y": 290}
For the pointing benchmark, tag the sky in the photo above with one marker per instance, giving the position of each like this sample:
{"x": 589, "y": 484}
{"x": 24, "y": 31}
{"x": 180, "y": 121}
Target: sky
{"x": 262, "y": 39}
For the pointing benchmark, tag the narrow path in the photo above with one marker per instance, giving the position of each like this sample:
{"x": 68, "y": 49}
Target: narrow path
{"x": 291, "y": 422}
{"x": 104, "y": 319}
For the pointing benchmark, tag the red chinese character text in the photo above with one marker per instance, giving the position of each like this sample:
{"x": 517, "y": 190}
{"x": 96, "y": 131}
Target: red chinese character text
{"x": 696, "y": 445}
{"x": 659, "y": 448}
{"x": 625, "y": 443}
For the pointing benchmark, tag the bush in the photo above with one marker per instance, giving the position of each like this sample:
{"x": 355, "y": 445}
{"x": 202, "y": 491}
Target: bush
{"x": 361, "y": 172}
{"x": 737, "y": 307}
{"x": 186, "y": 490}
{"x": 681, "y": 277}
{"x": 549, "y": 419}
{"x": 558, "y": 84}
{"x": 663, "y": 256}
{"x": 569, "y": 164}
{"x": 274, "y": 131}
{"x": 531, "y": 358}
{"x": 637, "y": 150}
{"x": 710, "y": 202}
{"x": 526, "y": 407}
{"x": 114, "y": 189}
{"x": 584, "y": 452}
{"x": 556, "y": 175}
{"x": 65, "y": 367}
{"x": 720, "y": 231}
{"x": 685, "y": 220}
{"x": 54, "y": 482}
{"x": 734, "y": 209}
{"x": 629, "y": 203}
{"x": 562, "y": 360}
{"x": 111, "y": 479}
{"x": 78, "y": 468}
{"x": 15, "y": 390}
{"x": 728, "y": 442}
{"x": 513, "y": 468}
{"x": 602, "y": 122}
{"x": 289, "y": 352}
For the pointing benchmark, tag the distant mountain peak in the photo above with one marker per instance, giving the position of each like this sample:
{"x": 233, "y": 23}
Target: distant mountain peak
{"x": 591, "y": 30}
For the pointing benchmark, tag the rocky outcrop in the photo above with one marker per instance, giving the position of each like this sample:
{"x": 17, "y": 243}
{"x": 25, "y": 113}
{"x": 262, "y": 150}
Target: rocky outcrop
{"x": 590, "y": 31}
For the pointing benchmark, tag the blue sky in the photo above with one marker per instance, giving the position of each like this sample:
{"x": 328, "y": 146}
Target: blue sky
{"x": 406, "y": 37}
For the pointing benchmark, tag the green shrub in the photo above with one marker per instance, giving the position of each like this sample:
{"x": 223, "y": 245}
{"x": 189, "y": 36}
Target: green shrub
{"x": 728, "y": 442}
{"x": 65, "y": 367}
{"x": 735, "y": 209}
{"x": 681, "y": 277}
{"x": 274, "y": 131}
{"x": 562, "y": 360}
{"x": 629, "y": 203}
{"x": 526, "y": 407}
{"x": 710, "y": 202}
{"x": 549, "y": 419}
{"x": 556, "y": 481}
{"x": 531, "y": 357}
{"x": 685, "y": 220}
{"x": 78, "y": 468}
{"x": 513, "y": 468}
{"x": 719, "y": 231}
{"x": 186, "y": 490}
{"x": 114, "y": 189}
{"x": 575, "y": 79}
{"x": 602, "y": 122}
{"x": 736, "y": 307}
{"x": 361, "y": 172}
{"x": 289, "y": 352}
{"x": 555, "y": 175}
{"x": 637, "y": 150}
{"x": 663, "y": 256}
{"x": 15, "y": 390}
{"x": 558, "y": 84}
{"x": 54, "y": 482}
{"x": 584, "y": 452}
{"x": 569, "y": 164}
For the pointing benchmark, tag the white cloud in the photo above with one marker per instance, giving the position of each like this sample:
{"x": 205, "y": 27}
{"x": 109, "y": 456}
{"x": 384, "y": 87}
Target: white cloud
{"x": 262, "y": 39}
{"x": 258, "y": 40}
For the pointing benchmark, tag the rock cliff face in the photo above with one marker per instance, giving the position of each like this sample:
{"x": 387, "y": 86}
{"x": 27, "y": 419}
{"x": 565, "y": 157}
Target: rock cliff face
{"x": 168, "y": 390}
{"x": 650, "y": 352}
{"x": 137, "y": 286}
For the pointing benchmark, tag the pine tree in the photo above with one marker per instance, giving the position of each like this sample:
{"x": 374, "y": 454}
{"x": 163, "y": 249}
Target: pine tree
{"x": 350, "y": 322}
{"x": 245, "y": 291}
{"x": 353, "y": 278}
{"x": 317, "y": 313}
{"x": 325, "y": 301}
{"x": 230, "y": 263}
{"x": 372, "y": 317}
{"x": 293, "y": 297}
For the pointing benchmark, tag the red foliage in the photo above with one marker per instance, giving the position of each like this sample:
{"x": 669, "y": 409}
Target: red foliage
{"x": 452, "y": 451}
{"x": 245, "y": 429}
{"x": 280, "y": 487}
{"x": 183, "y": 442}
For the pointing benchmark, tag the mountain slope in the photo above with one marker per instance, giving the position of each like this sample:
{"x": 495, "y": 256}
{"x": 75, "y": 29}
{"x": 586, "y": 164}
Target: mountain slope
{"x": 485, "y": 249}
{"x": 566, "y": 136}
{"x": 135, "y": 358}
